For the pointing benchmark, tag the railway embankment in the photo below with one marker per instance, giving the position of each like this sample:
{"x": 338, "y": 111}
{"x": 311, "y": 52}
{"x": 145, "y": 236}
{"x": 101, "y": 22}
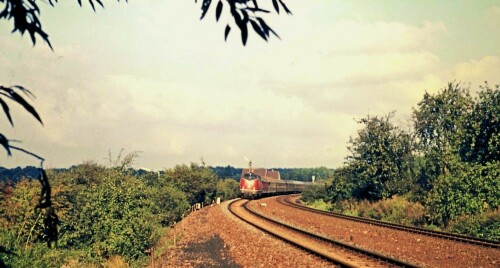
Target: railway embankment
{"x": 212, "y": 237}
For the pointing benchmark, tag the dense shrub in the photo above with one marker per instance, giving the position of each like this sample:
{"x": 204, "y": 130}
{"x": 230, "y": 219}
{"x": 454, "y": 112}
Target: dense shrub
{"x": 169, "y": 204}
{"x": 485, "y": 225}
{"x": 114, "y": 218}
{"x": 197, "y": 182}
{"x": 396, "y": 210}
{"x": 106, "y": 215}
{"x": 228, "y": 189}
{"x": 469, "y": 189}
{"x": 314, "y": 192}
{"x": 321, "y": 205}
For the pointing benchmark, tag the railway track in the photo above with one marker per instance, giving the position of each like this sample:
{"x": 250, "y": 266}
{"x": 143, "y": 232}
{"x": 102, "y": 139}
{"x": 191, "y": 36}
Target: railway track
{"x": 449, "y": 236}
{"x": 339, "y": 253}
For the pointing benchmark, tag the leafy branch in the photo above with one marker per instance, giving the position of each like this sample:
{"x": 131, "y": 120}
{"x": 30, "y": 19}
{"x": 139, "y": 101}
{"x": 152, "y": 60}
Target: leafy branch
{"x": 26, "y": 16}
{"x": 245, "y": 13}
{"x": 11, "y": 93}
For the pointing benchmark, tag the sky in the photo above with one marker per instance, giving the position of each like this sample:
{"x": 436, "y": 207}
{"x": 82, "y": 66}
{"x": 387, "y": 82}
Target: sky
{"x": 149, "y": 76}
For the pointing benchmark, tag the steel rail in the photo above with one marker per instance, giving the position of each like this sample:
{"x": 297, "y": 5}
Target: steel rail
{"x": 360, "y": 251}
{"x": 449, "y": 236}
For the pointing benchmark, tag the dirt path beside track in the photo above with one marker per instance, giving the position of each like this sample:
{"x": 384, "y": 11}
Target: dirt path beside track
{"x": 212, "y": 237}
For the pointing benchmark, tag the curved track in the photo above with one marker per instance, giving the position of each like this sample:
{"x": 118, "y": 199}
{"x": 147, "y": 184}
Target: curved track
{"x": 334, "y": 251}
{"x": 449, "y": 236}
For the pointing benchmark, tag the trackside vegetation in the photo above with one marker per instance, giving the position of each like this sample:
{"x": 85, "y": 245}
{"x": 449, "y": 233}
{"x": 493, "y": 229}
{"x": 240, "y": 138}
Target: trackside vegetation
{"x": 442, "y": 172}
{"x": 108, "y": 215}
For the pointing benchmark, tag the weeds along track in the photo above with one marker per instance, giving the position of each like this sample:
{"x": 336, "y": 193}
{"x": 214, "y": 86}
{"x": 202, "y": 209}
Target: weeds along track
{"x": 336, "y": 252}
{"x": 287, "y": 200}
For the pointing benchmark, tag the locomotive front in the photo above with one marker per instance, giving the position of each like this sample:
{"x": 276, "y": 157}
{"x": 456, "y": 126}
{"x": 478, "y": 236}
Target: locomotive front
{"x": 250, "y": 185}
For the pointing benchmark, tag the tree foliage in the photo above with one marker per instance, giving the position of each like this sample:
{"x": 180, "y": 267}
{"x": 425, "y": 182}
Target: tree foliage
{"x": 479, "y": 138}
{"x": 305, "y": 174}
{"x": 468, "y": 190}
{"x": 228, "y": 189}
{"x": 379, "y": 159}
{"x": 104, "y": 211}
{"x": 227, "y": 172}
{"x": 114, "y": 217}
{"x": 449, "y": 161}
{"x": 437, "y": 121}
{"x": 197, "y": 182}
{"x": 314, "y": 192}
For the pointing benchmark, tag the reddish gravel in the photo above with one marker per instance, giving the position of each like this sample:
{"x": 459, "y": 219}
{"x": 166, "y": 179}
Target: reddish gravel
{"x": 423, "y": 250}
{"x": 212, "y": 237}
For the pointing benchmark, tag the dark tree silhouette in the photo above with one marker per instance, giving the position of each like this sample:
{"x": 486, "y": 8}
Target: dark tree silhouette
{"x": 245, "y": 13}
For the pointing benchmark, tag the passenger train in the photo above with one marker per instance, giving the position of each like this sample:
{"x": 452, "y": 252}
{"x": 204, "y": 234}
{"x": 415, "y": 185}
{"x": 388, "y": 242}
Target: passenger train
{"x": 262, "y": 182}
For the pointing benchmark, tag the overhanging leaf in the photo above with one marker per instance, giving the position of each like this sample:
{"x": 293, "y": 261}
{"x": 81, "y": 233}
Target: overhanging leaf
{"x": 6, "y": 110}
{"x": 258, "y": 29}
{"x": 266, "y": 28}
{"x": 276, "y": 7}
{"x": 244, "y": 34}
{"x": 226, "y": 32}
{"x": 92, "y": 5}
{"x": 218, "y": 10}
{"x": 204, "y": 7}
{"x": 25, "y": 91}
{"x": 286, "y": 8}
{"x": 17, "y": 98}
{"x": 5, "y": 143}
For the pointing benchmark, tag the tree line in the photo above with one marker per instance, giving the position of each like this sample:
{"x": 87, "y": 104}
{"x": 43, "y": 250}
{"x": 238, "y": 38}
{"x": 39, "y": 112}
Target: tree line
{"x": 295, "y": 174}
{"x": 223, "y": 172}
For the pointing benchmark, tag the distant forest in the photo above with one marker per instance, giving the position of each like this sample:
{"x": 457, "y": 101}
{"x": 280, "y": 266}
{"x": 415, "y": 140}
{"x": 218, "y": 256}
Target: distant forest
{"x": 223, "y": 172}
{"x": 296, "y": 174}
{"x": 15, "y": 174}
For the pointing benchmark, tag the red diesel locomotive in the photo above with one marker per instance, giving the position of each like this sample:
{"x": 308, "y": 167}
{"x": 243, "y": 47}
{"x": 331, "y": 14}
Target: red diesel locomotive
{"x": 261, "y": 182}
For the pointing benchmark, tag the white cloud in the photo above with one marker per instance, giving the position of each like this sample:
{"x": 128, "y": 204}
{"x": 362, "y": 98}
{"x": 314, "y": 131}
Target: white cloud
{"x": 478, "y": 71}
{"x": 354, "y": 37}
{"x": 170, "y": 86}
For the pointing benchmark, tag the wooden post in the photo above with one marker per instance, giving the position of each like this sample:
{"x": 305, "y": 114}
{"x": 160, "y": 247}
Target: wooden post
{"x": 153, "y": 257}
{"x": 151, "y": 252}
{"x": 175, "y": 236}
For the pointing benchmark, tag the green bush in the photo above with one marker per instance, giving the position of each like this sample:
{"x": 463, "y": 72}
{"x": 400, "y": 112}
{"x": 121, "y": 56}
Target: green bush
{"x": 396, "y": 210}
{"x": 314, "y": 192}
{"x": 469, "y": 189}
{"x": 197, "y": 182}
{"x": 485, "y": 225}
{"x": 321, "y": 205}
{"x": 113, "y": 218}
{"x": 228, "y": 189}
